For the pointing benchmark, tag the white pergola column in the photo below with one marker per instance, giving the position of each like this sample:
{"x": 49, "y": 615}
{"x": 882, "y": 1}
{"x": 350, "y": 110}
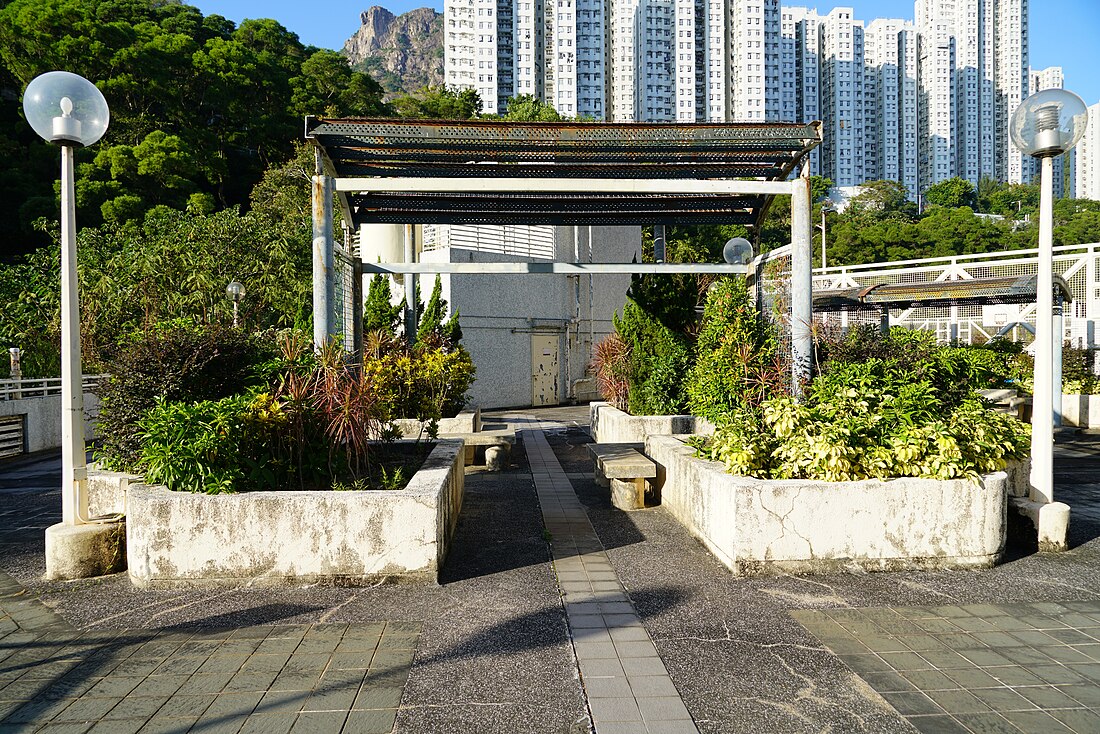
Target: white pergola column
{"x": 324, "y": 273}
{"x": 801, "y": 282}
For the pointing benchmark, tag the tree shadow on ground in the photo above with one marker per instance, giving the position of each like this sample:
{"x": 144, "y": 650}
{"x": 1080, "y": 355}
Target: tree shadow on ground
{"x": 544, "y": 628}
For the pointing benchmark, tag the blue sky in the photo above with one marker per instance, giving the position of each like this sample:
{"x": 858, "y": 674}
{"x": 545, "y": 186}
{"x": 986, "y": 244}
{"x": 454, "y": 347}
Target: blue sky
{"x": 1063, "y": 32}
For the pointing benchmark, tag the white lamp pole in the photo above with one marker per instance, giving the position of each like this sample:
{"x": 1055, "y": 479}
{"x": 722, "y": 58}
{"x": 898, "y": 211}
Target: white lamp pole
{"x": 70, "y": 111}
{"x": 1044, "y": 126}
{"x": 235, "y": 292}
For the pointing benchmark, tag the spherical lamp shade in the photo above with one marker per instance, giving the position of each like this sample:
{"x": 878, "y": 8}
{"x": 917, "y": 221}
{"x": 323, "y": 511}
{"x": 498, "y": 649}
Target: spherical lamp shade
{"x": 235, "y": 291}
{"x": 1048, "y": 123}
{"x": 66, "y": 108}
{"x": 738, "y": 251}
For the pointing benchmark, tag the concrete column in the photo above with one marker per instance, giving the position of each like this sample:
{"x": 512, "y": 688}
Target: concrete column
{"x": 410, "y": 287}
{"x": 324, "y": 272}
{"x": 801, "y": 282}
{"x": 1056, "y": 361}
{"x": 356, "y": 297}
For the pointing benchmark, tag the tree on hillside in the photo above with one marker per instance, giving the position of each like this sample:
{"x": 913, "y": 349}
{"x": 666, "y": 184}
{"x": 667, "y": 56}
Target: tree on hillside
{"x": 439, "y": 103}
{"x": 199, "y": 106}
{"x": 952, "y": 193}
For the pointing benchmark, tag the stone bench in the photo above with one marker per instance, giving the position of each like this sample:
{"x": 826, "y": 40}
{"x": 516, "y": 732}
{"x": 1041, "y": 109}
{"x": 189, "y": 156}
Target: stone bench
{"x": 495, "y": 446}
{"x": 625, "y": 469}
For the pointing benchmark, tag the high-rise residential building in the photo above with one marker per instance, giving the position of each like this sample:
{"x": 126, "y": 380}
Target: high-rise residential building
{"x": 842, "y": 101}
{"x": 752, "y": 57}
{"x": 1011, "y": 75}
{"x": 800, "y": 58}
{"x": 891, "y": 95}
{"x": 1086, "y": 159}
{"x": 918, "y": 102}
{"x": 1038, "y": 80}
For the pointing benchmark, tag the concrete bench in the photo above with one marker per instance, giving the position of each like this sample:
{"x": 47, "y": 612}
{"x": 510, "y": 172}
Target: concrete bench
{"x": 625, "y": 469}
{"x": 495, "y": 446}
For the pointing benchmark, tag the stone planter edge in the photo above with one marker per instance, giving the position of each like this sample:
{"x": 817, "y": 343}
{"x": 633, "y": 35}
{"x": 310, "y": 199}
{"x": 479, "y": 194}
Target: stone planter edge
{"x": 755, "y": 526}
{"x": 179, "y": 539}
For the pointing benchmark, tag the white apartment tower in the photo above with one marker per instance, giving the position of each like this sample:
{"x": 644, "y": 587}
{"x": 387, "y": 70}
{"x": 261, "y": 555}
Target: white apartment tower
{"x": 1086, "y": 159}
{"x": 800, "y": 58}
{"x": 576, "y": 82}
{"x": 1038, "y": 80}
{"x": 752, "y": 56}
{"x": 842, "y": 101}
{"x": 936, "y": 75}
{"x": 1012, "y": 69}
{"x": 890, "y": 80}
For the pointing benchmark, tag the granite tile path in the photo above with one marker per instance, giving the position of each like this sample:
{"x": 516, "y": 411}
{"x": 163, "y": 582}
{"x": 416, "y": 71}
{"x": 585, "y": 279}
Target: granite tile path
{"x": 628, "y": 688}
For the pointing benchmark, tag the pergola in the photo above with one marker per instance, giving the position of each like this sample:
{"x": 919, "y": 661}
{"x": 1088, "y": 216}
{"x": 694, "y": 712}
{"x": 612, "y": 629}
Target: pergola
{"x": 570, "y": 173}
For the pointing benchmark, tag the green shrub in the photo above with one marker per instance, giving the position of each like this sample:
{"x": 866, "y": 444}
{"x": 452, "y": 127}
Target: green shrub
{"x": 427, "y": 382}
{"x": 659, "y": 360}
{"x": 868, "y": 420}
{"x": 379, "y": 314}
{"x": 180, "y": 363}
{"x": 1078, "y": 374}
{"x": 737, "y": 360}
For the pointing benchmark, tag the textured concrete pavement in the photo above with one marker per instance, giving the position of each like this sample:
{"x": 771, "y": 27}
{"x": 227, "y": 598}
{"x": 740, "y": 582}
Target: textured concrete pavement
{"x": 494, "y": 648}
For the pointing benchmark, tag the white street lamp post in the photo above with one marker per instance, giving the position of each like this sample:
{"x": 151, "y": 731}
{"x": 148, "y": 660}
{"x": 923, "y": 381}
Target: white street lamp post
{"x": 235, "y": 292}
{"x": 1044, "y": 126}
{"x": 70, "y": 111}
{"x": 825, "y": 209}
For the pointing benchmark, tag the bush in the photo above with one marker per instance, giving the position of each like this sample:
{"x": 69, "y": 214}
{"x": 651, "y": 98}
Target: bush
{"x": 659, "y": 360}
{"x": 737, "y": 363}
{"x": 427, "y": 382}
{"x": 314, "y": 431}
{"x": 866, "y": 421}
{"x": 611, "y": 364}
{"x": 180, "y": 363}
{"x": 1078, "y": 371}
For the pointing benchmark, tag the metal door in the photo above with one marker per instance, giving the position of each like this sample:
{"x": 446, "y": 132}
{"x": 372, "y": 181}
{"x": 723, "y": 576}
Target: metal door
{"x": 544, "y": 369}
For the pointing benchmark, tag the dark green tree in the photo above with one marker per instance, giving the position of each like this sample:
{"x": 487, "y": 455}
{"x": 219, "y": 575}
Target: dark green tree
{"x": 379, "y": 312}
{"x": 952, "y": 193}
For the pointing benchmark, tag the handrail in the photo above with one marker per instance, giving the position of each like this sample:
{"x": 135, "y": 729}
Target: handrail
{"x": 41, "y": 387}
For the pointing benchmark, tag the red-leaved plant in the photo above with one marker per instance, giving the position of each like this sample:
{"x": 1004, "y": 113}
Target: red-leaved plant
{"x": 611, "y": 364}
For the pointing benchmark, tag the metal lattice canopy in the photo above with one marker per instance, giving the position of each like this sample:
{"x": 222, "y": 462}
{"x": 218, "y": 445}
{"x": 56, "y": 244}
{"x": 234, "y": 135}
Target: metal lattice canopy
{"x": 975, "y": 291}
{"x": 495, "y": 172}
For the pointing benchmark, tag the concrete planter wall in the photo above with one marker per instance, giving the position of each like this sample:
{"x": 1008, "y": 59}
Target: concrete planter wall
{"x": 611, "y": 425}
{"x": 1081, "y": 410}
{"x": 804, "y": 526}
{"x": 272, "y": 538}
{"x": 468, "y": 421}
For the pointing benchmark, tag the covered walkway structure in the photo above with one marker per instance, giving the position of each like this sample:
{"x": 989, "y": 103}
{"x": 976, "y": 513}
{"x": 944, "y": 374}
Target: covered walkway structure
{"x": 489, "y": 172}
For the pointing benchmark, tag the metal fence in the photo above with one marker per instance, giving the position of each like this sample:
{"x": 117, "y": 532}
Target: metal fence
{"x": 348, "y": 294}
{"x": 41, "y": 387}
{"x": 1077, "y": 264}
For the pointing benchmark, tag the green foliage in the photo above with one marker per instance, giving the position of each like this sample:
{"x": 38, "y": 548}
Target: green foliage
{"x": 379, "y": 313}
{"x": 432, "y": 328}
{"x": 198, "y": 105}
{"x": 178, "y": 364}
{"x": 427, "y": 382}
{"x": 527, "y": 107}
{"x": 953, "y": 192}
{"x": 737, "y": 363}
{"x": 869, "y": 419}
{"x": 30, "y": 311}
{"x": 1079, "y": 371}
{"x": 439, "y": 103}
{"x": 659, "y": 360}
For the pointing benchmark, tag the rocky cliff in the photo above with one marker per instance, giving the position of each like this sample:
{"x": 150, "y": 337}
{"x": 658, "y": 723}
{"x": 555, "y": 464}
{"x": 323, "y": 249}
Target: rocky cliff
{"x": 403, "y": 53}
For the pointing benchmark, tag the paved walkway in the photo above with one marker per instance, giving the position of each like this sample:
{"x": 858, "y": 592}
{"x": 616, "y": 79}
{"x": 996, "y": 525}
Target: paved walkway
{"x": 558, "y": 613}
{"x": 628, "y": 689}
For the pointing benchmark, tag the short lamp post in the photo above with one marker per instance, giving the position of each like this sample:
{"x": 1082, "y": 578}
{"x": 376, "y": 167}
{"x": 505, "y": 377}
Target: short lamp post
{"x": 235, "y": 292}
{"x": 68, "y": 110}
{"x": 1045, "y": 125}
{"x": 825, "y": 209}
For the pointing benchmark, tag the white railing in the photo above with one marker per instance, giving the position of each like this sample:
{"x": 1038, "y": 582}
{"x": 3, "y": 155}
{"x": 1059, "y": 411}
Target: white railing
{"x": 41, "y": 387}
{"x": 1079, "y": 265}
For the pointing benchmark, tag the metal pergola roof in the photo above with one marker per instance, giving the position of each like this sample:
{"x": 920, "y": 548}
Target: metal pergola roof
{"x": 976, "y": 291}
{"x": 496, "y": 172}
